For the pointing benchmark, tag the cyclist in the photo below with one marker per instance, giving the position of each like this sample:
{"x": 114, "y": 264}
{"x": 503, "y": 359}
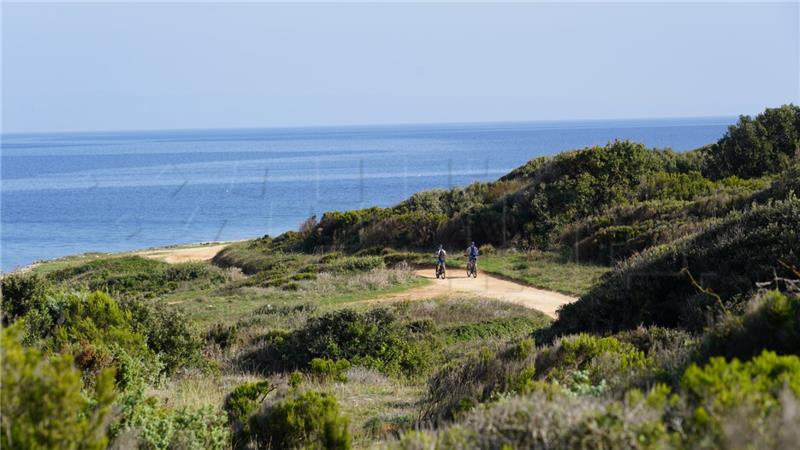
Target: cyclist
{"x": 472, "y": 253}
{"x": 441, "y": 256}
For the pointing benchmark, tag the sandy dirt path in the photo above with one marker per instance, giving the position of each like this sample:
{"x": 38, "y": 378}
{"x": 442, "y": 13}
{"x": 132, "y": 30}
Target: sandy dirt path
{"x": 485, "y": 285}
{"x": 456, "y": 283}
{"x": 183, "y": 254}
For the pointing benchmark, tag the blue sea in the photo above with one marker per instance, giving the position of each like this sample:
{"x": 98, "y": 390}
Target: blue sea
{"x": 70, "y": 193}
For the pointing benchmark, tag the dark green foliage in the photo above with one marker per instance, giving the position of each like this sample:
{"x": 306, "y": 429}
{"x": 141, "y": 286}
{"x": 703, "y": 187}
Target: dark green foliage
{"x": 43, "y": 403}
{"x": 245, "y": 399}
{"x": 772, "y": 322}
{"x": 20, "y": 294}
{"x": 754, "y": 147}
{"x": 169, "y": 333}
{"x": 223, "y": 335}
{"x": 101, "y": 332}
{"x": 728, "y": 259}
{"x": 310, "y": 420}
{"x": 95, "y": 331}
{"x": 527, "y": 206}
{"x": 136, "y": 276}
{"x": 375, "y": 339}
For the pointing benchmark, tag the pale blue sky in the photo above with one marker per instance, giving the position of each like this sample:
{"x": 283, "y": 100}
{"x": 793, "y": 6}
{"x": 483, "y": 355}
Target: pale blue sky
{"x": 164, "y": 66}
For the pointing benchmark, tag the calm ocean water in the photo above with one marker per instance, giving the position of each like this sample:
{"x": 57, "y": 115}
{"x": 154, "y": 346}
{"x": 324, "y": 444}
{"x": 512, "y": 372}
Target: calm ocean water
{"x": 71, "y": 193}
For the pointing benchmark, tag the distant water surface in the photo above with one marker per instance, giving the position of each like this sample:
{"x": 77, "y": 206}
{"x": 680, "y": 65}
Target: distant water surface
{"x": 68, "y": 193}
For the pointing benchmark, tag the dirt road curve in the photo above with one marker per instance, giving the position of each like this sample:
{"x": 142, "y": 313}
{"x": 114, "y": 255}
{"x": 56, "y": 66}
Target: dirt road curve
{"x": 185, "y": 254}
{"x": 485, "y": 285}
{"x": 456, "y": 283}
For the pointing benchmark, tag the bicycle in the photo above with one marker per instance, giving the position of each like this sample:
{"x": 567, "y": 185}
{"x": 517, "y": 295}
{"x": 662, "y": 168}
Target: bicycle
{"x": 472, "y": 268}
{"x": 440, "y": 270}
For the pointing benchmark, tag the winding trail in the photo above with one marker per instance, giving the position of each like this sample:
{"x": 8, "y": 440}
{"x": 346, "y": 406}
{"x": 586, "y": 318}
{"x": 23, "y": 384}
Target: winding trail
{"x": 456, "y": 283}
{"x": 485, "y": 285}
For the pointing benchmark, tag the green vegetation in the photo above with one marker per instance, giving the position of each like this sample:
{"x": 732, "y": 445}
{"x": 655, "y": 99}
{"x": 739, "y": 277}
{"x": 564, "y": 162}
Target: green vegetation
{"x": 725, "y": 261}
{"x": 43, "y": 402}
{"x": 686, "y": 333}
{"x": 309, "y": 420}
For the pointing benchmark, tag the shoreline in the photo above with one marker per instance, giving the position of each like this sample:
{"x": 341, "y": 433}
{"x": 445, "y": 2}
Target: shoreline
{"x": 157, "y": 252}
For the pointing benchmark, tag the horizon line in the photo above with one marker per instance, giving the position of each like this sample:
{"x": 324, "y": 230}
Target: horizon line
{"x": 363, "y": 125}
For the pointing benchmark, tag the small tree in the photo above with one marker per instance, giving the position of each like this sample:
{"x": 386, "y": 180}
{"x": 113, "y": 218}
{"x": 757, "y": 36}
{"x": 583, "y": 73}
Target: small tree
{"x": 43, "y": 406}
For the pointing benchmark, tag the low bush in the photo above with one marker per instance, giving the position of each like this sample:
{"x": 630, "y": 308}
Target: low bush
{"x": 353, "y": 264}
{"x": 328, "y": 369}
{"x": 44, "y": 405}
{"x": 136, "y": 276}
{"x": 20, "y": 294}
{"x": 581, "y": 364}
{"x": 159, "y": 428}
{"x": 743, "y": 394}
{"x": 223, "y": 335}
{"x": 374, "y": 339}
{"x": 497, "y": 328}
{"x": 727, "y": 259}
{"x": 553, "y": 419}
{"x": 309, "y": 420}
{"x": 169, "y": 333}
{"x": 771, "y": 322}
{"x": 240, "y": 405}
{"x": 603, "y": 358}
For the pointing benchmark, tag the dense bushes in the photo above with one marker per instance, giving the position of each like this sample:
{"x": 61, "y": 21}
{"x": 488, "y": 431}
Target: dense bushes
{"x": 152, "y": 426}
{"x": 168, "y": 333}
{"x": 20, "y": 294}
{"x": 308, "y": 420}
{"x": 748, "y": 394}
{"x": 136, "y": 276}
{"x": 727, "y": 259}
{"x": 756, "y": 146}
{"x": 723, "y": 404}
{"x": 101, "y": 332}
{"x": 373, "y": 339}
{"x": 578, "y": 364}
{"x": 44, "y": 405}
{"x": 771, "y": 322}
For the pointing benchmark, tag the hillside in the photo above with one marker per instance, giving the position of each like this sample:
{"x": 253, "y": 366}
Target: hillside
{"x": 685, "y": 332}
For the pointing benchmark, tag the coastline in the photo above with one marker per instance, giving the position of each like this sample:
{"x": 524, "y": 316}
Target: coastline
{"x": 173, "y": 253}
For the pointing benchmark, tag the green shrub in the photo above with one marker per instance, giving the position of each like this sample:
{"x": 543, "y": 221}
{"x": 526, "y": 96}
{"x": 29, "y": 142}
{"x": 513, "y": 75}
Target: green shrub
{"x": 310, "y": 420}
{"x": 374, "y": 339}
{"x": 245, "y": 398}
{"x": 136, "y": 276}
{"x": 382, "y": 427}
{"x": 159, "y": 428}
{"x": 20, "y": 294}
{"x": 98, "y": 333}
{"x": 771, "y": 322}
{"x": 353, "y": 264}
{"x": 722, "y": 390}
{"x": 43, "y": 402}
{"x": 169, "y": 333}
{"x": 603, "y": 359}
{"x": 223, "y": 335}
{"x": 753, "y": 147}
{"x": 329, "y": 369}
{"x": 728, "y": 259}
{"x": 497, "y": 328}
{"x": 487, "y": 249}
